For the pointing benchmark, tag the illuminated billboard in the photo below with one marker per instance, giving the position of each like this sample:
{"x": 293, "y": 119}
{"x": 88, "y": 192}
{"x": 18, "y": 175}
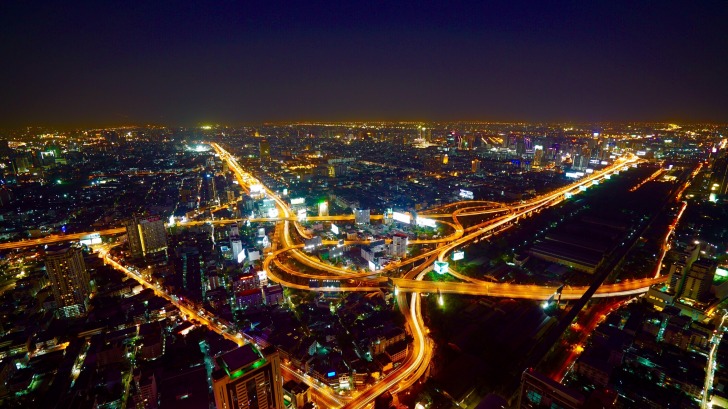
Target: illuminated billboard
{"x": 401, "y": 217}
{"x": 298, "y": 201}
{"x": 301, "y": 214}
{"x": 641, "y": 153}
{"x": 256, "y": 189}
{"x": 421, "y": 221}
{"x": 91, "y": 239}
{"x": 334, "y": 228}
{"x": 458, "y": 255}
{"x": 466, "y": 194}
{"x": 590, "y": 170}
{"x": 441, "y": 267}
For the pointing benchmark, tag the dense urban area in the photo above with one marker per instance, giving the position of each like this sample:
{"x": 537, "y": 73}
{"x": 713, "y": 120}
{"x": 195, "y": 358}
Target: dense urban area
{"x": 351, "y": 265}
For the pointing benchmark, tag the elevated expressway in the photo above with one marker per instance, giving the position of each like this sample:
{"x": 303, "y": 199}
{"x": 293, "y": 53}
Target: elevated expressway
{"x": 347, "y": 280}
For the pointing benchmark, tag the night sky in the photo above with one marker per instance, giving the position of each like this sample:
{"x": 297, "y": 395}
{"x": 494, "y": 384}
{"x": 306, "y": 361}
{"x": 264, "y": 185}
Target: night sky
{"x": 186, "y": 63}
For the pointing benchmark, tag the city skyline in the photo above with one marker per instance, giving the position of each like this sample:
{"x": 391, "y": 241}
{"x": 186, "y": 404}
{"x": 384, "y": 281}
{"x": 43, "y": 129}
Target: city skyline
{"x": 370, "y": 205}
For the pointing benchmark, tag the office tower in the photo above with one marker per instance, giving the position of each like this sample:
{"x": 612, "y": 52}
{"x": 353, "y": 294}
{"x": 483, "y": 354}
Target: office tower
{"x": 528, "y": 144}
{"x": 264, "y": 151}
{"x": 475, "y": 166}
{"x": 323, "y": 209}
{"x": 719, "y": 178}
{"x": 537, "y": 157}
{"x": 192, "y": 271}
{"x": 520, "y": 147}
{"x": 69, "y": 279}
{"x": 398, "y": 247}
{"x": 362, "y": 216}
{"x": 425, "y": 134}
{"x": 245, "y": 378}
{"x": 237, "y": 248}
{"x": 683, "y": 259}
{"x": 538, "y": 391}
{"x": 146, "y": 235}
{"x": 698, "y": 280}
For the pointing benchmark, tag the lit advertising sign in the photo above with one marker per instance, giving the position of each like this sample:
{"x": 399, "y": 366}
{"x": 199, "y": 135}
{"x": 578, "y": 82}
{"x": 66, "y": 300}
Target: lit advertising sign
{"x": 401, "y": 217}
{"x": 421, "y": 221}
{"x": 256, "y": 188}
{"x": 90, "y": 239}
{"x": 302, "y": 214}
{"x": 458, "y": 255}
{"x": 298, "y": 201}
{"x": 334, "y": 228}
{"x": 604, "y": 162}
{"x": 441, "y": 267}
{"x": 466, "y": 194}
{"x": 641, "y": 153}
{"x": 572, "y": 175}
{"x": 590, "y": 170}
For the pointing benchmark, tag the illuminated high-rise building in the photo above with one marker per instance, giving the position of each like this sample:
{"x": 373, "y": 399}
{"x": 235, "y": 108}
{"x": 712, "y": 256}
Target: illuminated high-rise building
{"x": 425, "y": 134}
{"x": 264, "y": 151}
{"x": 475, "y": 166}
{"x": 719, "y": 178}
{"x": 247, "y": 379}
{"x": 538, "y": 156}
{"x": 146, "y": 235}
{"x": 69, "y": 279}
{"x": 698, "y": 280}
{"x": 398, "y": 247}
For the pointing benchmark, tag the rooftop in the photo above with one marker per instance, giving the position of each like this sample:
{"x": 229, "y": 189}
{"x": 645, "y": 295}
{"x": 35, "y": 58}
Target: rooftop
{"x": 239, "y": 358}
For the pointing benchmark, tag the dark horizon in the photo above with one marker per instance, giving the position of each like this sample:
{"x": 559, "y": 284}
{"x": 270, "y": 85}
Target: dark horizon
{"x": 191, "y": 63}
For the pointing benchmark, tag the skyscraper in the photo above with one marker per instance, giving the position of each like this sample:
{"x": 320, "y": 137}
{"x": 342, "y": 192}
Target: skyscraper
{"x": 245, "y": 378}
{"x": 69, "y": 279}
{"x": 398, "y": 247}
{"x": 264, "y": 151}
{"x": 146, "y": 236}
{"x": 698, "y": 280}
{"x": 719, "y": 178}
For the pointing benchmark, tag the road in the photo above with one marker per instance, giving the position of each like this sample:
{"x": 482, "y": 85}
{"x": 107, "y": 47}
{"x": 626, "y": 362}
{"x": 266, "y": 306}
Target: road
{"x": 710, "y": 370}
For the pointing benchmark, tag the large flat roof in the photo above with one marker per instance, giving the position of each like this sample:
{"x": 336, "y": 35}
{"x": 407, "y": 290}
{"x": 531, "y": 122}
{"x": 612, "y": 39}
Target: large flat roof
{"x": 239, "y": 358}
